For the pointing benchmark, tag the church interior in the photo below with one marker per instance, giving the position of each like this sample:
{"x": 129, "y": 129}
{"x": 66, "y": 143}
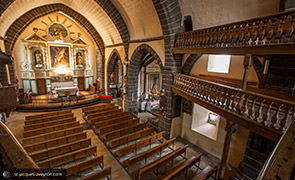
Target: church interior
{"x": 147, "y": 89}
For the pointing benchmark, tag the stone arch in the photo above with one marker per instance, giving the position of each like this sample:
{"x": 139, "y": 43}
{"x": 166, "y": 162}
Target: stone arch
{"x": 189, "y": 63}
{"x": 113, "y": 59}
{"x": 19, "y": 25}
{"x": 137, "y": 60}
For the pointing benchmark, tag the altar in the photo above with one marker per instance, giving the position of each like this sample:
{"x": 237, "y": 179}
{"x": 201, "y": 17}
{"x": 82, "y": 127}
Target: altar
{"x": 67, "y": 91}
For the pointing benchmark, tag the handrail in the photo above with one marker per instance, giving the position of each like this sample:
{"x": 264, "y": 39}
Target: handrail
{"x": 272, "y": 113}
{"x": 14, "y": 151}
{"x": 281, "y": 161}
{"x": 264, "y": 33}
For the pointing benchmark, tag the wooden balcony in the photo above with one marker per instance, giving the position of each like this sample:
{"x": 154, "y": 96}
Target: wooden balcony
{"x": 260, "y": 36}
{"x": 265, "y": 115}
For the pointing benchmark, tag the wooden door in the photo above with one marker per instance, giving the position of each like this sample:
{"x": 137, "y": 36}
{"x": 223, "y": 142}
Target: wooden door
{"x": 41, "y": 86}
{"x": 81, "y": 83}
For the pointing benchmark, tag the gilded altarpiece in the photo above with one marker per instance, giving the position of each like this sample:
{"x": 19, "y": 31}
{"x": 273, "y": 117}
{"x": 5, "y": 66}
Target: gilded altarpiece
{"x": 54, "y": 59}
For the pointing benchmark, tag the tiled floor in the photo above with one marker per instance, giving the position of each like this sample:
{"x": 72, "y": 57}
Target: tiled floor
{"x": 16, "y": 123}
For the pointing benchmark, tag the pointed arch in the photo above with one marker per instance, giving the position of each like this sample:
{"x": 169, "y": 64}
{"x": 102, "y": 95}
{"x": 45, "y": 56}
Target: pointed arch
{"x": 111, "y": 67}
{"x": 137, "y": 60}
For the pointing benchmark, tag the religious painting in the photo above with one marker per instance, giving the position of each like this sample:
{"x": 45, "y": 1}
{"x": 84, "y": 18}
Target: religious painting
{"x": 59, "y": 56}
{"x": 57, "y": 30}
{"x": 154, "y": 83}
{"x": 37, "y": 57}
{"x": 80, "y": 58}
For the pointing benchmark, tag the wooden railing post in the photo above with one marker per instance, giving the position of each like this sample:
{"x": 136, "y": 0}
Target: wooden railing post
{"x": 230, "y": 129}
{"x": 247, "y": 66}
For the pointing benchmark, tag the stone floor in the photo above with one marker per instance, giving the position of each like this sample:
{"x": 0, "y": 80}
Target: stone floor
{"x": 16, "y": 123}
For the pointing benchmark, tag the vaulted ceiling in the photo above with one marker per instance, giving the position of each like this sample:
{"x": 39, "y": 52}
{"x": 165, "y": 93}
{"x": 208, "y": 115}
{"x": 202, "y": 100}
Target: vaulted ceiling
{"x": 116, "y": 21}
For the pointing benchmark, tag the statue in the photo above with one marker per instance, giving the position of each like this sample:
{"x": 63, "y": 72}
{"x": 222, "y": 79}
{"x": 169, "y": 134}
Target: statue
{"x": 112, "y": 78}
{"x": 79, "y": 58}
{"x": 38, "y": 58}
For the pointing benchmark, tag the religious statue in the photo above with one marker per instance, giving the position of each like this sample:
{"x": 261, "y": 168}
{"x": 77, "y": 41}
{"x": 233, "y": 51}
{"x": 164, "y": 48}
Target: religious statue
{"x": 38, "y": 58}
{"x": 79, "y": 59}
{"x": 154, "y": 89}
{"x": 112, "y": 78}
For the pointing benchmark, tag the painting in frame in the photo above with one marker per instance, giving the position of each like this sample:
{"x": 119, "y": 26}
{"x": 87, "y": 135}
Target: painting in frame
{"x": 59, "y": 56}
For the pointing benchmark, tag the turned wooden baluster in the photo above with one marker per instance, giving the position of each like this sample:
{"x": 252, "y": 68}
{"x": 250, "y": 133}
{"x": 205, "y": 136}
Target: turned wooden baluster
{"x": 241, "y": 103}
{"x": 268, "y": 115}
{"x": 228, "y": 98}
{"x": 241, "y": 34}
{"x": 195, "y": 86}
{"x": 195, "y": 39}
{"x": 279, "y": 30}
{"x": 247, "y": 34}
{"x": 260, "y": 111}
{"x": 261, "y": 31}
{"x": 289, "y": 28}
{"x": 276, "y": 120}
{"x": 253, "y": 110}
{"x": 230, "y": 35}
{"x": 246, "y": 109}
{"x": 288, "y": 118}
{"x": 235, "y": 35}
{"x": 254, "y": 33}
{"x": 271, "y": 33}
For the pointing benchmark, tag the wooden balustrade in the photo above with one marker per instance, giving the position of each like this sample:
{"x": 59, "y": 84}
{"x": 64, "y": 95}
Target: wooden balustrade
{"x": 264, "y": 35}
{"x": 265, "y": 115}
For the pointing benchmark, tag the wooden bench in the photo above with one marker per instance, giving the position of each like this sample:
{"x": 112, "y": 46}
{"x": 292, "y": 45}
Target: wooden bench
{"x": 97, "y": 106}
{"x": 124, "y": 131}
{"x": 159, "y": 162}
{"x": 100, "y": 111}
{"x": 115, "y": 120}
{"x": 50, "y": 129}
{"x": 55, "y": 142}
{"x": 106, "y": 172}
{"x": 38, "y": 156}
{"x": 144, "y": 155}
{"x": 84, "y": 165}
{"x": 92, "y": 111}
{"x": 183, "y": 166}
{"x": 206, "y": 173}
{"x": 116, "y": 126}
{"x": 38, "y": 116}
{"x": 48, "y": 119}
{"x": 127, "y": 138}
{"x": 67, "y": 158}
{"x": 51, "y": 123}
{"x": 106, "y": 116}
{"x": 51, "y": 135}
{"x": 139, "y": 144}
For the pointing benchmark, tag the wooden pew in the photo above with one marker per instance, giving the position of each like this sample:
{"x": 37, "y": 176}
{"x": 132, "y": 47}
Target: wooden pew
{"x": 106, "y": 172}
{"x": 183, "y": 166}
{"x": 50, "y": 129}
{"x": 206, "y": 173}
{"x": 106, "y": 115}
{"x": 51, "y": 135}
{"x": 130, "y": 137}
{"x": 113, "y": 127}
{"x": 139, "y": 144}
{"x": 48, "y": 119}
{"x": 99, "y": 111}
{"x": 38, "y": 116}
{"x": 51, "y": 123}
{"x": 55, "y": 142}
{"x": 159, "y": 162}
{"x": 97, "y": 106}
{"x": 38, "y": 156}
{"x": 144, "y": 155}
{"x": 92, "y": 111}
{"x": 124, "y": 131}
{"x": 84, "y": 165}
{"x": 115, "y": 120}
{"x": 67, "y": 158}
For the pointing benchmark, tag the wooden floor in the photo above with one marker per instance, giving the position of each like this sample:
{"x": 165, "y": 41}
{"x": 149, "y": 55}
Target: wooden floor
{"x": 16, "y": 124}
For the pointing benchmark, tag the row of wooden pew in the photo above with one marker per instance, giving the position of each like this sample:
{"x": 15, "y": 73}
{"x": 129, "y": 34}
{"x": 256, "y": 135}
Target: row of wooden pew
{"x": 57, "y": 140}
{"x": 126, "y": 136}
